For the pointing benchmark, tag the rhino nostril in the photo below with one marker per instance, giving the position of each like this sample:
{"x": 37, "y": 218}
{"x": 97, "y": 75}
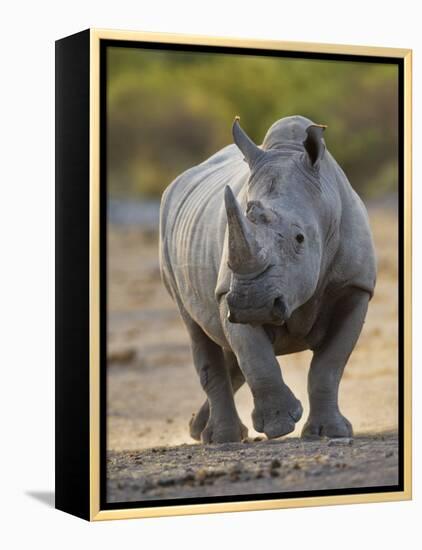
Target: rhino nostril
{"x": 279, "y": 308}
{"x": 231, "y": 317}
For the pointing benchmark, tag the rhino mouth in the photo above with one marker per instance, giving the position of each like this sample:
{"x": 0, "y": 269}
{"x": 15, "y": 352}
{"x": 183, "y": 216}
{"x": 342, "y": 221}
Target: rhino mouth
{"x": 274, "y": 312}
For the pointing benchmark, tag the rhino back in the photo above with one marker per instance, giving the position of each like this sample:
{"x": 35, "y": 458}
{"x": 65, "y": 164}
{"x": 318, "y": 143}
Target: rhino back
{"x": 355, "y": 262}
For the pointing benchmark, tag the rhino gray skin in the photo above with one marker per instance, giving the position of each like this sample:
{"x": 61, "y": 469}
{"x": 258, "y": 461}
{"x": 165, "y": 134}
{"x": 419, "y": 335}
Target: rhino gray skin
{"x": 264, "y": 258}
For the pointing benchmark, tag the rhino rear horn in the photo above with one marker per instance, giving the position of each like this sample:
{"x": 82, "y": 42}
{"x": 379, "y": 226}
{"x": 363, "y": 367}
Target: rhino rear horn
{"x": 314, "y": 143}
{"x": 246, "y": 257}
{"x": 251, "y": 152}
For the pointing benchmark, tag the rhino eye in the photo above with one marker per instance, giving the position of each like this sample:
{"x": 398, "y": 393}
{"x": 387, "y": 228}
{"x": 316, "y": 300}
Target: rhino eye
{"x": 300, "y": 238}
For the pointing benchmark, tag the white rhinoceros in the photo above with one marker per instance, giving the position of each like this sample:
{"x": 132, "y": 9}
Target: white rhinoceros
{"x": 264, "y": 258}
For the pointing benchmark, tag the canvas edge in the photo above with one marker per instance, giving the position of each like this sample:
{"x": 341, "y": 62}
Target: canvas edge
{"x": 96, "y": 514}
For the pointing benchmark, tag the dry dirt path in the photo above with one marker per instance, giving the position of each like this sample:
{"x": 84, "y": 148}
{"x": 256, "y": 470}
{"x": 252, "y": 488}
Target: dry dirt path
{"x": 286, "y": 465}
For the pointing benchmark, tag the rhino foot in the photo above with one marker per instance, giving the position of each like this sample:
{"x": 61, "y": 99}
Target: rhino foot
{"x": 198, "y": 421}
{"x": 229, "y": 432}
{"x": 277, "y": 417}
{"x": 333, "y": 425}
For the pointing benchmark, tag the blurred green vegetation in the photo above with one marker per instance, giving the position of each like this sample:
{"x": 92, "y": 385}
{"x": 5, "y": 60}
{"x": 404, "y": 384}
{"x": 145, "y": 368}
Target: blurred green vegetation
{"x": 168, "y": 111}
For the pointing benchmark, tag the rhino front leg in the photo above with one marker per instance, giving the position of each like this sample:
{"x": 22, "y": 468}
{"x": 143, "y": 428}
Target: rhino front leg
{"x": 276, "y": 408}
{"x": 329, "y": 360}
{"x": 199, "y": 420}
{"x": 223, "y": 423}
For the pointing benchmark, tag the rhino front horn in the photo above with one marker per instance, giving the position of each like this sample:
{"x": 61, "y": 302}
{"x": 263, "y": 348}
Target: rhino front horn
{"x": 251, "y": 152}
{"x": 246, "y": 257}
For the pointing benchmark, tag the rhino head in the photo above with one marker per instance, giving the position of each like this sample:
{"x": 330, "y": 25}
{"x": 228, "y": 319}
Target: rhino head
{"x": 275, "y": 241}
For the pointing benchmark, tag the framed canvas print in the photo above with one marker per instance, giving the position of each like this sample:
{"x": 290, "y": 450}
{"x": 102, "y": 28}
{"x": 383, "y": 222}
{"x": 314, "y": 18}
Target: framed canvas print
{"x": 233, "y": 274}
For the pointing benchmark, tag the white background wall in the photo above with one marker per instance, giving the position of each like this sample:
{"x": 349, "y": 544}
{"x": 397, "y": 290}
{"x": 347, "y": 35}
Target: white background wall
{"x": 28, "y": 31}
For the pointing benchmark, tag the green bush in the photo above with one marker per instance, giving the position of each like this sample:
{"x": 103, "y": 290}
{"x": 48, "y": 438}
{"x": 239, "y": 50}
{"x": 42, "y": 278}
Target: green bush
{"x": 168, "y": 111}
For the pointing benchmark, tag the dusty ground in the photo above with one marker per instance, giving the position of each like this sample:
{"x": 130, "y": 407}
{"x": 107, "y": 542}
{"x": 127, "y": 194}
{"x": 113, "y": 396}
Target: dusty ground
{"x": 289, "y": 464}
{"x": 153, "y": 391}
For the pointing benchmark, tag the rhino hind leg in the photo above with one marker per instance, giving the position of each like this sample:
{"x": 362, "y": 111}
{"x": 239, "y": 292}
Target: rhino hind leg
{"x": 328, "y": 362}
{"x": 199, "y": 420}
{"x": 223, "y": 423}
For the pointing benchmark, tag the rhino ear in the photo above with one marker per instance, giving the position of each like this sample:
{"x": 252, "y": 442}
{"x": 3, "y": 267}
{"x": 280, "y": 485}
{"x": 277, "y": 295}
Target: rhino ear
{"x": 251, "y": 151}
{"x": 314, "y": 144}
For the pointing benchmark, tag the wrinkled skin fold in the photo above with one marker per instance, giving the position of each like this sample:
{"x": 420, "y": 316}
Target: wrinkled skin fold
{"x": 267, "y": 251}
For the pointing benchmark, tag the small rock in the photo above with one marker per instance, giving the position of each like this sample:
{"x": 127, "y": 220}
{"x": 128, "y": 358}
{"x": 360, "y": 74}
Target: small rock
{"x": 338, "y": 441}
{"x": 275, "y": 463}
{"x": 200, "y": 475}
{"x": 166, "y": 482}
{"x": 314, "y": 472}
{"x": 147, "y": 486}
{"x": 235, "y": 469}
